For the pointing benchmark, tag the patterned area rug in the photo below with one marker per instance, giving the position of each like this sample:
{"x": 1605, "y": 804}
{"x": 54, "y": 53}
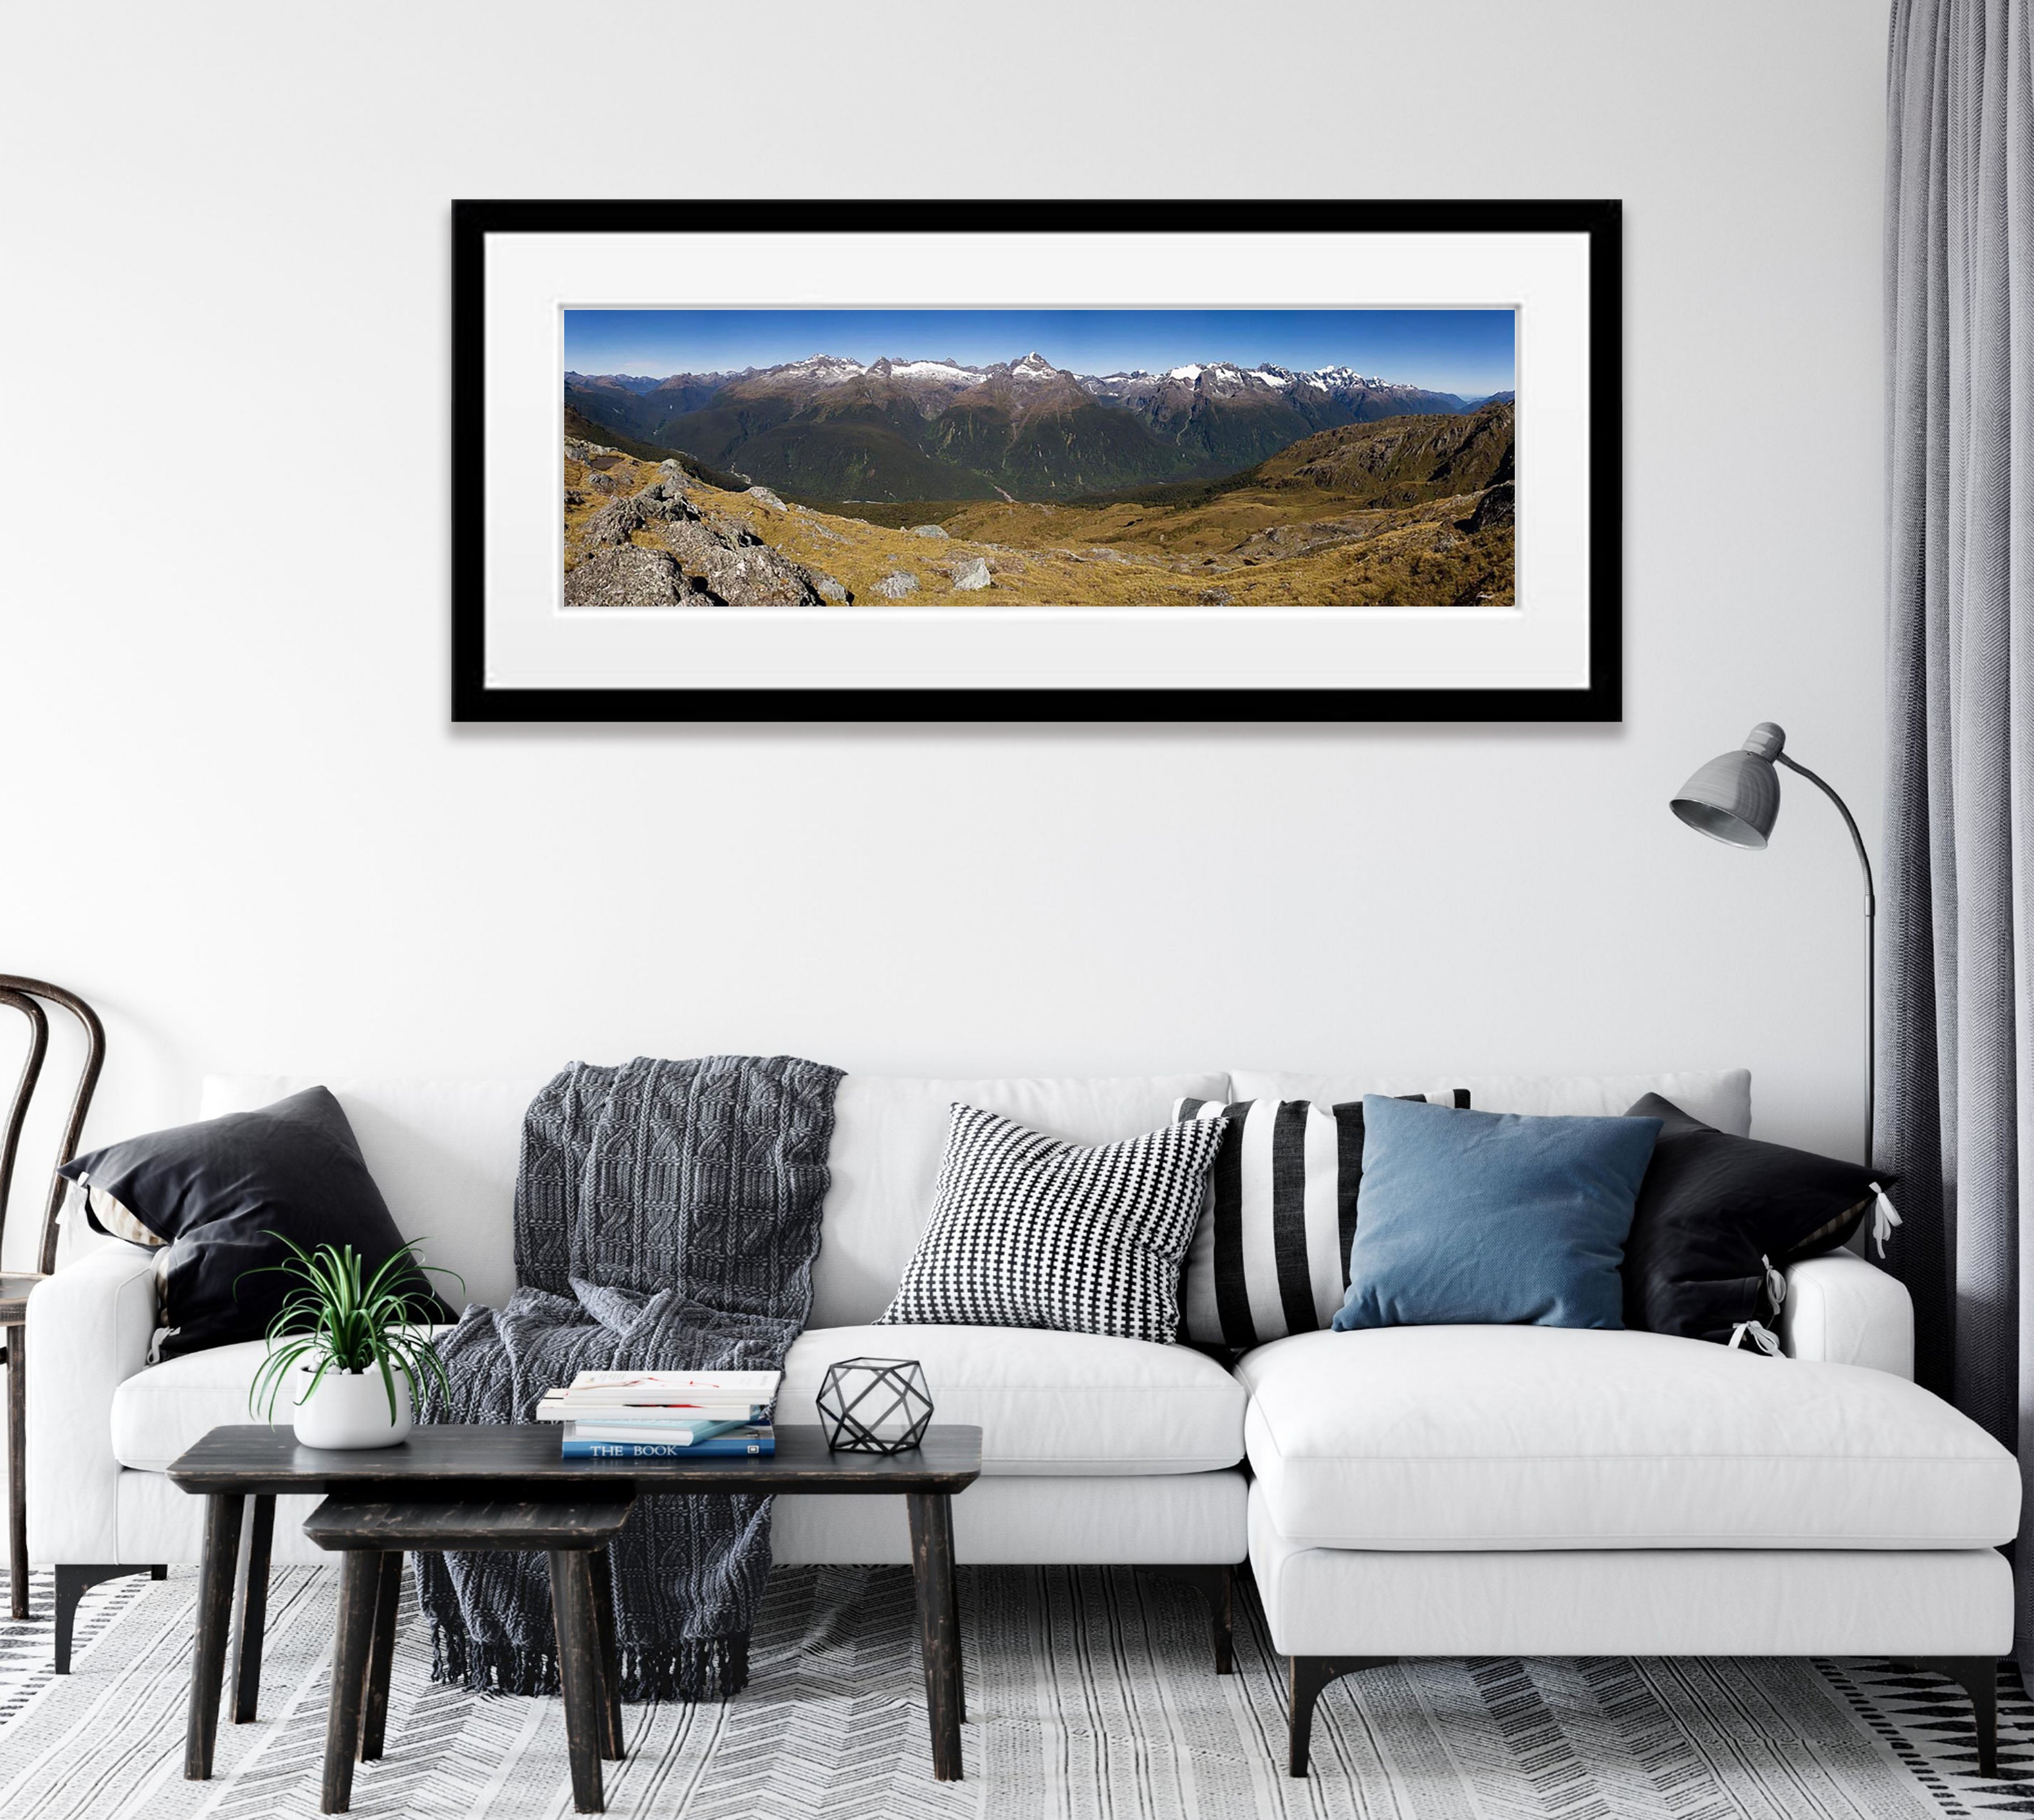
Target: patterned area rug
{"x": 1090, "y": 1696}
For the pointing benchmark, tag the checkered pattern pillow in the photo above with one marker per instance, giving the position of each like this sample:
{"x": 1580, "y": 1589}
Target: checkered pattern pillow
{"x": 1029, "y": 1232}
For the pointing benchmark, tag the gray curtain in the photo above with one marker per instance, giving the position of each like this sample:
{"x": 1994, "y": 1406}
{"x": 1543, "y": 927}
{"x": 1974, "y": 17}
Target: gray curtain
{"x": 1955, "y": 1112}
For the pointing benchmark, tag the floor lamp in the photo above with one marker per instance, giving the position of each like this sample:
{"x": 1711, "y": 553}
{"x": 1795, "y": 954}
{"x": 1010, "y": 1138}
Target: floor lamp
{"x": 1736, "y": 798}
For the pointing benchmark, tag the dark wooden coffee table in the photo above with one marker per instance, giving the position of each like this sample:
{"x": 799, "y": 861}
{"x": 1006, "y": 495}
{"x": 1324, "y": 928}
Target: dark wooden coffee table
{"x": 453, "y": 1463}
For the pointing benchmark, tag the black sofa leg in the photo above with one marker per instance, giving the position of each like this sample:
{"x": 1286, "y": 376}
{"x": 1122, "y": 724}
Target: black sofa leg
{"x": 1217, "y": 1585}
{"x": 1978, "y": 1677}
{"x": 1306, "y": 1676}
{"x": 73, "y": 1581}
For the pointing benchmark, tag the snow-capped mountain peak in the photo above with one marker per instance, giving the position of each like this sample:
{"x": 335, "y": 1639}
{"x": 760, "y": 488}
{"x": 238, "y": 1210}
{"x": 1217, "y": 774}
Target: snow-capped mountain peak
{"x": 941, "y": 371}
{"x": 826, "y": 368}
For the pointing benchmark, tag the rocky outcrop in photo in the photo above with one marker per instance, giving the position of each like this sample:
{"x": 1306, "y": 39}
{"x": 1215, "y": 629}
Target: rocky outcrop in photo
{"x": 655, "y": 547}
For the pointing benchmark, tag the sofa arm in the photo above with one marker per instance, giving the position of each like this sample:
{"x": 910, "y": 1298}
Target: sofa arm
{"x": 1842, "y": 1310}
{"x": 89, "y": 1327}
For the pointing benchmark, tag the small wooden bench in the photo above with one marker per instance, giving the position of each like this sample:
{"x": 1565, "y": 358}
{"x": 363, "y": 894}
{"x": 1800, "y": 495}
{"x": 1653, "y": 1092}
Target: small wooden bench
{"x": 373, "y": 1537}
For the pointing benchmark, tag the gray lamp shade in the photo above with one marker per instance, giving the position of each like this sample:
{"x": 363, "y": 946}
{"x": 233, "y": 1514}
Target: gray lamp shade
{"x": 1737, "y": 797}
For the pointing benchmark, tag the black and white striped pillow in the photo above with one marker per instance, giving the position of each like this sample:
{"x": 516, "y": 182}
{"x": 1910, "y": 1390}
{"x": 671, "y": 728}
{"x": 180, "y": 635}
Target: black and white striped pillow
{"x": 1270, "y": 1254}
{"x": 1029, "y": 1231}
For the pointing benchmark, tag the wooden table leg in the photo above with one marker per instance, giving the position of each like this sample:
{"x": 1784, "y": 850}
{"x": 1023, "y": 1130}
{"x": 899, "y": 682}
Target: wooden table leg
{"x": 374, "y": 1713}
{"x": 610, "y": 1654}
{"x": 578, "y": 1669}
{"x": 939, "y": 1624}
{"x": 17, "y": 1469}
{"x": 253, "y": 1613}
{"x": 215, "y": 1619}
{"x": 359, "y": 1576}
{"x": 953, "y": 1605}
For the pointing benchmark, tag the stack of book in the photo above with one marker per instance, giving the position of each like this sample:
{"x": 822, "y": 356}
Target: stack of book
{"x": 664, "y": 1414}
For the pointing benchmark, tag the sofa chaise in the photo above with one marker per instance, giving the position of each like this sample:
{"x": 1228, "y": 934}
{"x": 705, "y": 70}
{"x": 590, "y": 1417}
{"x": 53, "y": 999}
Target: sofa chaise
{"x": 1401, "y": 1492}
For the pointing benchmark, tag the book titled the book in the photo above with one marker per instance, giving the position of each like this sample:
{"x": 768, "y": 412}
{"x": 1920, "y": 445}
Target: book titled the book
{"x": 719, "y": 1446}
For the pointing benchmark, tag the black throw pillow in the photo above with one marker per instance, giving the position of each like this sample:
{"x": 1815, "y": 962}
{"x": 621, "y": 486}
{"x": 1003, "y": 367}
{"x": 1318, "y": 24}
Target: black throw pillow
{"x": 1715, "y": 1212}
{"x": 219, "y": 1190}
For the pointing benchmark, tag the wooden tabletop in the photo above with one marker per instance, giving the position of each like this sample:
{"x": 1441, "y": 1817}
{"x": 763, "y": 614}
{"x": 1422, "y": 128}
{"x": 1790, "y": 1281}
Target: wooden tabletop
{"x": 255, "y": 1459}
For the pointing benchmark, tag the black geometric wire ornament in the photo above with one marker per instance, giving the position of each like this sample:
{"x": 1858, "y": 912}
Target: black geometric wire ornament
{"x": 875, "y": 1405}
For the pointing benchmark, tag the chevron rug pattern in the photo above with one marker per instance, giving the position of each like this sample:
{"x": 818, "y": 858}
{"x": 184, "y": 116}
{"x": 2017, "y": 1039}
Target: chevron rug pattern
{"x": 1090, "y": 1697}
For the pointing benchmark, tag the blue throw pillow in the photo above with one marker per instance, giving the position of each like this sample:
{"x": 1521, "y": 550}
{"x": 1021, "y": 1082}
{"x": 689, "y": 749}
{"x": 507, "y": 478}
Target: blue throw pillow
{"x": 1478, "y": 1219}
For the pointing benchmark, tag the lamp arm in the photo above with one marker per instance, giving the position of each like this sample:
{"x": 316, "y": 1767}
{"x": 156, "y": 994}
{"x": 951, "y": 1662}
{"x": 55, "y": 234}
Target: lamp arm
{"x": 1843, "y": 809}
{"x": 1870, "y": 948}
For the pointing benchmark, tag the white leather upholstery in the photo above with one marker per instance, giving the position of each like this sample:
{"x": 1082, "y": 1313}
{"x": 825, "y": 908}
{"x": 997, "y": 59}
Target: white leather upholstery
{"x": 1625, "y": 1602}
{"x": 1049, "y": 1404}
{"x": 89, "y": 1327}
{"x": 1719, "y": 1097}
{"x": 1142, "y": 1426}
{"x": 1189, "y": 1517}
{"x": 1841, "y": 1309}
{"x": 164, "y": 1409}
{"x": 1444, "y": 1437}
{"x": 1088, "y": 1440}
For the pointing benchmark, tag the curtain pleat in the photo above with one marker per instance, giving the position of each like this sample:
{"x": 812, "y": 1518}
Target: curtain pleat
{"x": 1955, "y": 1111}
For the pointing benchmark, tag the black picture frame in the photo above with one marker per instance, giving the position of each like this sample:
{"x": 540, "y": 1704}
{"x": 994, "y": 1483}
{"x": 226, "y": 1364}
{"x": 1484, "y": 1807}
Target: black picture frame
{"x": 1601, "y": 700}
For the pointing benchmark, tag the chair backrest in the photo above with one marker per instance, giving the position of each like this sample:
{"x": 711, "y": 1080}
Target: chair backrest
{"x": 24, "y": 995}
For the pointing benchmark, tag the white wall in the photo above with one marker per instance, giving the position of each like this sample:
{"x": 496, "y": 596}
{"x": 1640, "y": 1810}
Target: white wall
{"x": 234, "y": 814}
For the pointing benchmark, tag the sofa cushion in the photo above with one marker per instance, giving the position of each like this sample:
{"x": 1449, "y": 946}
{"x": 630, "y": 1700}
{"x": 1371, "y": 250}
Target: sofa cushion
{"x": 1575, "y": 1438}
{"x": 442, "y": 1152}
{"x": 1270, "y": 1254}
{"x": 1028, "y": 1231}
{"x": 241, "y": 1199}
{"x": 159, "y": 1413}
{"x": 1468, "y": 1216}
{"x": 1047, "y": 1404}
{"x": 1051, "y": 1405}
{"x": 1720, "y": 1216}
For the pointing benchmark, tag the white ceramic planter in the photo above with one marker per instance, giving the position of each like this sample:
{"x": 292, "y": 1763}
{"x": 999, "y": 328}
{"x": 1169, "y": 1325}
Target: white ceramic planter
{"x": 348, "y": 1409}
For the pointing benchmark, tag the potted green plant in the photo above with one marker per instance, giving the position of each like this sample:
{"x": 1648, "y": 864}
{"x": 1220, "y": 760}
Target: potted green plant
{"x": 351, "y": 1349}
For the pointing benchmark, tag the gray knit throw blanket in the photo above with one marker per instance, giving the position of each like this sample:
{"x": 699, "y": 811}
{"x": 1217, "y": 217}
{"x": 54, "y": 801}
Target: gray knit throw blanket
{"x": 667, "y": 1214}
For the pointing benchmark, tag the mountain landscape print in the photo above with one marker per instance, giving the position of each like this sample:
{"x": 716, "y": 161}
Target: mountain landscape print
{"x": 1315, "y": 458}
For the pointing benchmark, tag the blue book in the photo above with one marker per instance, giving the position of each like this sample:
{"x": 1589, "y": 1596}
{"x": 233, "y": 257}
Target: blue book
{"x": 721, "y": 1446}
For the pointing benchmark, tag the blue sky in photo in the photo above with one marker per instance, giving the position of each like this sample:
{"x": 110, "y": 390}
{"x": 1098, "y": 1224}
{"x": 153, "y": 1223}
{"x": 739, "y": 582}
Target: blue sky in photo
{"x": 1465, "y": 351}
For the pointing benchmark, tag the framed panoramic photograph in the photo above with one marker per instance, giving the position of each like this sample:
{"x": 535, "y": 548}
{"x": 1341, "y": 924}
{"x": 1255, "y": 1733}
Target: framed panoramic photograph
{"x": 1268, "y": 461}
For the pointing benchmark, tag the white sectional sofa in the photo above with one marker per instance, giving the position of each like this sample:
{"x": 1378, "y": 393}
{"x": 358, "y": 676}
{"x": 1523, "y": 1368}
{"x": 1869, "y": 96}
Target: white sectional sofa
{"x": 1408, "y": 1491}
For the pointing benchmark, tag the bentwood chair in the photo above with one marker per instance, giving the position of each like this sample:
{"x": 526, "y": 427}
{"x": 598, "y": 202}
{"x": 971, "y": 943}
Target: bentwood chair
{"x": 24, "y": 995}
